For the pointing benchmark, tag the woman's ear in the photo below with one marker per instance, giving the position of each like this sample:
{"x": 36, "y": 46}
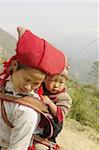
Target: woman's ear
{"x": 46, "y": 79}
{"x": 14, "y": 65}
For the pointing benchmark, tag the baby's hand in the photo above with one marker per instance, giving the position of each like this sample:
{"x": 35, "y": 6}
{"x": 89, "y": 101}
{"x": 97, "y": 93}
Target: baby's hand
{"x": 46, "y": 100}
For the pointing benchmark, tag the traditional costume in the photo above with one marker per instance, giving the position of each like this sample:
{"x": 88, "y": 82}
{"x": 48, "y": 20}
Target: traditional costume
{"x": 18, "y": 122}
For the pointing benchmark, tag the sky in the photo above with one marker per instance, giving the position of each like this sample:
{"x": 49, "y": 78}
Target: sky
{"x": 71, "y": 26}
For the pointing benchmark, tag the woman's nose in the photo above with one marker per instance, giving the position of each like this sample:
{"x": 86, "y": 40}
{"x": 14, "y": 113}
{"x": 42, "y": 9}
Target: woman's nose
{"x": 28, "y": 87}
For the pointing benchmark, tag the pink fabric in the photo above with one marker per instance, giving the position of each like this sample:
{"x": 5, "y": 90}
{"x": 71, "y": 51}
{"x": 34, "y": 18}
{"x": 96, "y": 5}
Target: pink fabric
{"x": 59, "y": 114}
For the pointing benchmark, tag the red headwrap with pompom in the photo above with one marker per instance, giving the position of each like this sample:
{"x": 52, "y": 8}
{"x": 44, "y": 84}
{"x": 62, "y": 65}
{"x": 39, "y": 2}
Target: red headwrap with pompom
{"x": 35, "y": 52}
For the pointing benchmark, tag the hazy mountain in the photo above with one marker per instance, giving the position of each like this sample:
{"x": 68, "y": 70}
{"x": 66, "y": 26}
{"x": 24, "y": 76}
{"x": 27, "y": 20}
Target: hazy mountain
{"x": 7, "y": 42}
{"x": 80, "y": 69}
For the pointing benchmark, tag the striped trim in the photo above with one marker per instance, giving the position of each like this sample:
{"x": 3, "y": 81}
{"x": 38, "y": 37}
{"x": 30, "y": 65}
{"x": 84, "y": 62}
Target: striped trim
{"x": 4, "y": 115}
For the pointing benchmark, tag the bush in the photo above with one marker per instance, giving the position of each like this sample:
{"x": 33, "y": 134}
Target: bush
{"x": 85, "y": 106}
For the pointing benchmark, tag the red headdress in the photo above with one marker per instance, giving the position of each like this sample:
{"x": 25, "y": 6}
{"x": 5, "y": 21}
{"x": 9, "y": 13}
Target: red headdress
{"x": 33, "y": 51}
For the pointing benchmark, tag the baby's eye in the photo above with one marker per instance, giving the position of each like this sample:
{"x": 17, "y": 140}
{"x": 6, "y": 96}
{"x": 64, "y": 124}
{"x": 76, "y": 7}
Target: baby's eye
{"x": 61, "y": 82}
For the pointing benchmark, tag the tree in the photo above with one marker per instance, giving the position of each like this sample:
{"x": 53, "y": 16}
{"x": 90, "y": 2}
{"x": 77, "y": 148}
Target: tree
{"x": 94, "y": 75}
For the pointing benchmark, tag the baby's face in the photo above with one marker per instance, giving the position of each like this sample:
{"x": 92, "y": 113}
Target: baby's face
{"x": 26, "y": 80}
{"x": 55, "y": 83}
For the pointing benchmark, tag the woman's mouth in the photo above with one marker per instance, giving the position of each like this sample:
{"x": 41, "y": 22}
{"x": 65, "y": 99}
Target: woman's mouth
{"x": 22, "y": 90}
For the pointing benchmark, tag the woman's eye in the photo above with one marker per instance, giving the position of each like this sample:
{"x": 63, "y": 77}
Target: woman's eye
{"x": 27, "y": 80}
{"x": 35, "y": 83}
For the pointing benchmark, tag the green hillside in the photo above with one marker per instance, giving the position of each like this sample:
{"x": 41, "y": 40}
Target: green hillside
{"x": 85, "y": 107}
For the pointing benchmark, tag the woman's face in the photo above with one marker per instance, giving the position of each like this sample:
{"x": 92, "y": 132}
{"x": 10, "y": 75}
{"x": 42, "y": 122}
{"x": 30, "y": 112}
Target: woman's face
{"x": 26, "y": 80}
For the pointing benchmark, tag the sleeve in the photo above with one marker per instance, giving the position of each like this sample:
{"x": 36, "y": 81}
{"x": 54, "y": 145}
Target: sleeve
{"x": 63, "y": 105}
{"x": 59, "y": 114}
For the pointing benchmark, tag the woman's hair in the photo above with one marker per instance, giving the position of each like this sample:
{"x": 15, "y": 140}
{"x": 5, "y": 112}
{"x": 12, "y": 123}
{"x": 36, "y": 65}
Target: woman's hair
{"x": 21, "y": 66}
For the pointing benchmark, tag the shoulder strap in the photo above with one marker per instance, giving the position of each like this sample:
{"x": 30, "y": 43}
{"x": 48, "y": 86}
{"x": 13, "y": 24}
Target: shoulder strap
{"x": 26, "y": 101}
{"x": 4, "y": 115}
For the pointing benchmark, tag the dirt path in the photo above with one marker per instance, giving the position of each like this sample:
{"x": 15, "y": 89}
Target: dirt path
{"x": 74, "y": 136}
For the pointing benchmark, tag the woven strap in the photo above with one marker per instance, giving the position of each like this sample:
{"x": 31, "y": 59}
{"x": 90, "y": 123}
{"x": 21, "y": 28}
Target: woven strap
{"x": 27, "y": 101}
